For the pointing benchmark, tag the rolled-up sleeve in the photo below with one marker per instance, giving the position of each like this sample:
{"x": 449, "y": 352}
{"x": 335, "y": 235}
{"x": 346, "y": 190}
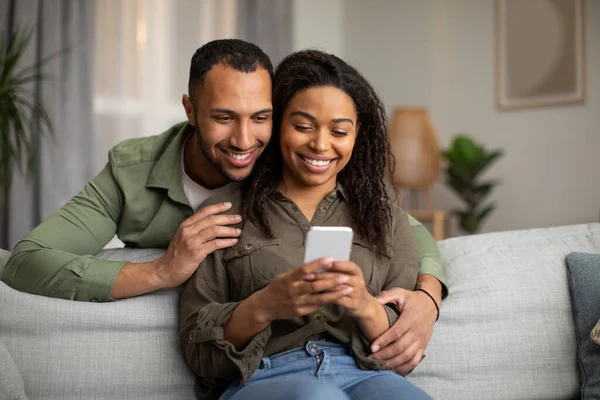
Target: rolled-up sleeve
{"x": 205, "y": 309}
{"x": 55, "y": 259}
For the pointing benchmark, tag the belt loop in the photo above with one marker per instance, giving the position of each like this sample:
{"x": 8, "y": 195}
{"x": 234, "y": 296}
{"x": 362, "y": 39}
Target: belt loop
{"x": 265, "y": 364}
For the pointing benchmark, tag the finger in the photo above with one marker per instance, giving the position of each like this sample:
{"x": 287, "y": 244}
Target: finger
{"x": 312, "y": 268}
{"x": 218, "y": 244}
{"x": 318, "y": 286}
{"x": 392, "y": 335}
{"x": 327, "y": 297}
{"x": 403, "y": 358}
{"x": 408, "y": 366}
{"x": 395, "y": 295}
{"x": 400, "y": 346}
{"x": 214, "y": 220}
{"x": 216, "y": 231}
{"x": 346, "y": 300}
{"x": 205, "y": 212}
{"x": 346, "y": 267}
{"x": 324, "y": 276}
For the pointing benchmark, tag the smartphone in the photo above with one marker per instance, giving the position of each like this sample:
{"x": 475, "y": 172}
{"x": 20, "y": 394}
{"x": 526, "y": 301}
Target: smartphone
{"x": 328, "y": 241}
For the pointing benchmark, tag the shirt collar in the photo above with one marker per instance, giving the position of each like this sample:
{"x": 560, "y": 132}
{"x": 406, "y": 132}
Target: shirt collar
{"x": 166, "y": 173}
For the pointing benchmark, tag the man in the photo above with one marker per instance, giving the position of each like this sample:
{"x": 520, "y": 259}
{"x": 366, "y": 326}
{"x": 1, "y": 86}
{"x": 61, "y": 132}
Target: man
{"x": 148, "y": 191}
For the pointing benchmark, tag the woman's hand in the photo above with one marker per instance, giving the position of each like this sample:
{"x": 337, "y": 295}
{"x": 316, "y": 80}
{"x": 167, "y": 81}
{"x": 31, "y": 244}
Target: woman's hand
{"x": 358, "y": 302}
{"x": 299, "y": 292}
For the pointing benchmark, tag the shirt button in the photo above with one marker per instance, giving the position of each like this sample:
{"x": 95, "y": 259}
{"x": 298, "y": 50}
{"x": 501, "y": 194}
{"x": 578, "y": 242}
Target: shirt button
{"x": 333, "y": 195}
{"x": 248, "y": 247}
{"x": 317, "y": 317}
{"x": 323, "y": 209}
{"x": 313, "y": 347}
{"x": 192, "y": 336}
{"x": 294, "y": 208}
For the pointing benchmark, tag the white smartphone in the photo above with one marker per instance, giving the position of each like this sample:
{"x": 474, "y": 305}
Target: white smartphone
{"x": 328, "y": 241}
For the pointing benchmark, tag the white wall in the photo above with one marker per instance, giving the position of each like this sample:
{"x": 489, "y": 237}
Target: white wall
{"x": 319, "y": 24}
{"x": 440, "y": 54}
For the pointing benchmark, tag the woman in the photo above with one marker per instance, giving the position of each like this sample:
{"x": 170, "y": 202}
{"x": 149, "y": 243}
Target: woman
{"x": 253, "y": 324}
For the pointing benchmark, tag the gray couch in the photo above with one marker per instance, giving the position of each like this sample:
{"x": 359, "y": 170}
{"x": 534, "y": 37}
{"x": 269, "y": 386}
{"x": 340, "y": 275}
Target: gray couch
{"x": 505, "y": 332}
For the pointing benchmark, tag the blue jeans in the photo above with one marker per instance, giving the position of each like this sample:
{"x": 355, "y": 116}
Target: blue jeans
{"x": 321, "y": 371}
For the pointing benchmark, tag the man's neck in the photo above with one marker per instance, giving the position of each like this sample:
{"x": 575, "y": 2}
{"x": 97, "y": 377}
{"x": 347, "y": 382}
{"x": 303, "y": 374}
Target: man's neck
{"x": 198, "y": 167}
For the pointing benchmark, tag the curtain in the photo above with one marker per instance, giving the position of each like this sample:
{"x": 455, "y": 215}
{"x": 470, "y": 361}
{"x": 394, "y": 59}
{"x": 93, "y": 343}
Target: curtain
{"x": 123, "y": 78}
{"x": 61, "y": 162}
{"x": 268, "y": 24}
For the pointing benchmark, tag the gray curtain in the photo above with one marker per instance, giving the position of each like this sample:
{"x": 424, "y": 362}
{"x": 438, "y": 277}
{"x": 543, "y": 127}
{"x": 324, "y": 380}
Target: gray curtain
{"x": 62, "y": 162}
{"x": 268, "y": 24}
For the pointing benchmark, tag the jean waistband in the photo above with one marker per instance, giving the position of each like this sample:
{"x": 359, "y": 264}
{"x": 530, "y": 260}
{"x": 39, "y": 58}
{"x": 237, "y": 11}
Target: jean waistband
{"x": 312, "y": 348}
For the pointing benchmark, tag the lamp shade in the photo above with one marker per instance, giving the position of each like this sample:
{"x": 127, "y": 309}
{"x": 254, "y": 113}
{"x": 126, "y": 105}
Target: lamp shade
{"x": 414, "y": 144}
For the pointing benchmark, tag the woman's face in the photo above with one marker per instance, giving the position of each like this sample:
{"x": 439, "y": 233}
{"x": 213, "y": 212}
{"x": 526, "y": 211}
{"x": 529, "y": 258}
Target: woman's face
{"x": 318, "y": 131}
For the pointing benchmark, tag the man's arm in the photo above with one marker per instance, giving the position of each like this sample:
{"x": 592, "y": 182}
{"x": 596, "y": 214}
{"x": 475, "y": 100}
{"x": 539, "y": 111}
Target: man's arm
{"x": 55, "y": 258}
{"x": 403, "y": 345}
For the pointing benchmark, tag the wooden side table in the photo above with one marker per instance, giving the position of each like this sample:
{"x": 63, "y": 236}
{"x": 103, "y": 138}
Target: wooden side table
{"x": 439, "y": 219}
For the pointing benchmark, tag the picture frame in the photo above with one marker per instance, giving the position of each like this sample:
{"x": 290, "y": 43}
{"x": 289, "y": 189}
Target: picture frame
{"x": 540, "y": 53}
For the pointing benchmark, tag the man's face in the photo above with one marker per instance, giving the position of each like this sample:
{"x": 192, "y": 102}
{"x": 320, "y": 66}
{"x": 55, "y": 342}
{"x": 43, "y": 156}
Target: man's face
{"x": 231, "y": 112}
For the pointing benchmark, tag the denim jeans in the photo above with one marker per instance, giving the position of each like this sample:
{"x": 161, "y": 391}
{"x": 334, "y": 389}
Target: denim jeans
{"x": 321, "y": 371}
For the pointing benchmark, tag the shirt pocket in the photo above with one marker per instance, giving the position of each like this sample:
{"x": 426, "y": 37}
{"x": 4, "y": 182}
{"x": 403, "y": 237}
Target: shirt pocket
{"x": 375, "y": 266}
{"x": 253, "y": 264}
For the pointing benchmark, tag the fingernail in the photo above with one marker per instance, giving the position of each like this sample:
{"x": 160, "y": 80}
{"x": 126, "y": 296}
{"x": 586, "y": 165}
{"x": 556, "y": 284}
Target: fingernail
{"x": 342, "y": 279}
{"x": 328, "y": 261}
{"x": 234, "y": 241}
{"x": 227, "y": 205}
{"x": 238, "y": 218}
{"x": 375, "y": 348}
{"x": 310, "y": 277}
{"x": 348, "y": 290}
{"x": 239, "y": 231}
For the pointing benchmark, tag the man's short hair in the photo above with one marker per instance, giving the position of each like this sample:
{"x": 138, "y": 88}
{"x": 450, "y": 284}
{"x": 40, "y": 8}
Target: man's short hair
{"x": 235, "y": 53}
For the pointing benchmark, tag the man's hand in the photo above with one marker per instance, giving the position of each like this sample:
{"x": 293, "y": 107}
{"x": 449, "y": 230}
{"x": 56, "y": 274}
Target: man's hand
{"x": 403, "y": 345}
{"x": 197, "y": 237}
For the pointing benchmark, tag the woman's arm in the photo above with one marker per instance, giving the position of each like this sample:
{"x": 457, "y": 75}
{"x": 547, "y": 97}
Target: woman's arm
{"x": 205, "y": 311}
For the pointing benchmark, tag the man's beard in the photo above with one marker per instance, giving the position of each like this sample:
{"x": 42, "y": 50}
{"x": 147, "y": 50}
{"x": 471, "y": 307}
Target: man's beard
{"x": 205, "y": 149}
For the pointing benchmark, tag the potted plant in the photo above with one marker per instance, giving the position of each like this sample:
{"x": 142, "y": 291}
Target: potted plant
{"x": 20, "y": 114}
{"x": 465, "y": 162}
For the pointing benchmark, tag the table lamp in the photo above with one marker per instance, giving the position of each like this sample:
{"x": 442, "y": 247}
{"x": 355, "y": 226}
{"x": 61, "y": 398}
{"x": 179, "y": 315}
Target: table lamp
{"x": 415, "y": 147}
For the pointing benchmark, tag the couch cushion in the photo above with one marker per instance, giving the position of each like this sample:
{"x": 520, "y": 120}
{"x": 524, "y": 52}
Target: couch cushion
{"x": 11, "y": 383}
{"x": 121, "y": 350}
{"x": 506, "y": 328}
{"x": 584, "y": 278}
{"x": 3, "y": 259}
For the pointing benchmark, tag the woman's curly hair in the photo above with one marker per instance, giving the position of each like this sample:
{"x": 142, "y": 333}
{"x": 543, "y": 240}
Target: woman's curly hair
{"x": 362, "y": 178}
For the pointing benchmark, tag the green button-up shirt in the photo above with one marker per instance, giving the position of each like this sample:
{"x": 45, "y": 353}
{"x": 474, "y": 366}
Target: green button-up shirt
{"x": 227, "y": 277}
{"x": 138, "y": 196}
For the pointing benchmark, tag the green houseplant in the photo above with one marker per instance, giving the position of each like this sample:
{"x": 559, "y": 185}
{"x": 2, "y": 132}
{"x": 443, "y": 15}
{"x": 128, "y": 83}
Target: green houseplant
{"x": 465, "y": 162}
{"x": 20, "y": 114}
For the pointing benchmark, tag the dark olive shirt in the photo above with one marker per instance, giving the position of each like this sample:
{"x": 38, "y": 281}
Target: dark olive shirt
{"x": 227, "y": 277}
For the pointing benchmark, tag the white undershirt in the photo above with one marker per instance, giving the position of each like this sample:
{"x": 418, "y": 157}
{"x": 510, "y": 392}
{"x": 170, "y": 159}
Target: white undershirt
{"x": 195, "y": 193}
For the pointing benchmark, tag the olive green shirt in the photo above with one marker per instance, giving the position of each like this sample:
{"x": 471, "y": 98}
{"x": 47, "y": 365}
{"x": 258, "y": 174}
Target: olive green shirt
{"x": 227, "y": 277}
{"x": 139, "y": 196}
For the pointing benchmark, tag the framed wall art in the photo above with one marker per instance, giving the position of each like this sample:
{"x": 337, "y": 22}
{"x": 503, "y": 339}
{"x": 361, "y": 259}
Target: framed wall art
{"x": 540, "y": 58}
